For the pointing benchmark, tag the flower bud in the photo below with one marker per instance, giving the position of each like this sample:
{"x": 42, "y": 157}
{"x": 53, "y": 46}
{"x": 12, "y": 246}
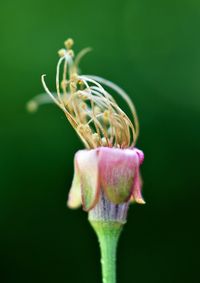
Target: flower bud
{"x": 106, "y": 179}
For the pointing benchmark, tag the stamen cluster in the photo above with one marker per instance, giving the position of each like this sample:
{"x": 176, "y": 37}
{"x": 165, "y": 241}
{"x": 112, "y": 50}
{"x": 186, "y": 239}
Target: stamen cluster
{"x": 89, "y": 107}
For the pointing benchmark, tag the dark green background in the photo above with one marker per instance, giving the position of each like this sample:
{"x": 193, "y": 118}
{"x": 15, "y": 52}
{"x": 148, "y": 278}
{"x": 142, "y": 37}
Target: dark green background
{"x": 151, "y": 49}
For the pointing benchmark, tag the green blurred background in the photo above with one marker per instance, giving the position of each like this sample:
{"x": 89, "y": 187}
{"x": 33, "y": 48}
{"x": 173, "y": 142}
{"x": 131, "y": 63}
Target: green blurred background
{"x": 152, "y": 50}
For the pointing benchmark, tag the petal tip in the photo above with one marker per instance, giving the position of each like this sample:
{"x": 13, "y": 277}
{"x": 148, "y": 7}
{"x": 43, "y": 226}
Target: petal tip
{"x": 73, "y": 203}
{"x": 140, "y": 201}
{"x": 140, "y": 154}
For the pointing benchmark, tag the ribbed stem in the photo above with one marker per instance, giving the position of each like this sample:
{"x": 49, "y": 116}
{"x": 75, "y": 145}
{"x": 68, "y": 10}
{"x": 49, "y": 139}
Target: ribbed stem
{"x": 108, "y": 235}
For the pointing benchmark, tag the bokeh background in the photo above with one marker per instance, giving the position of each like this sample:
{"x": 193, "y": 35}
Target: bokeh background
{"x": 152, "y": 50}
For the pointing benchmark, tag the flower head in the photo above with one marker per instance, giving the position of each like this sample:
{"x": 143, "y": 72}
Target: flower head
{"x": 109, "y": 168}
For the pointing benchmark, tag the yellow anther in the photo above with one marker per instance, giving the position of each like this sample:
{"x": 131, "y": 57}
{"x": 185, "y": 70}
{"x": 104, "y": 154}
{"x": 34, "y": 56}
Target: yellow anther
{"x": 80, "y": 82}
{"x": 73, "y": 86}
{"x": 69, "y": 43}
{"x": 74, "y": 77}
{"x": 32, "y": 106}
{"x": 83, "y": 106}
{"x": 62, "y": 52}
{"x": 106, "y": 115}
{"x": 64, "y": 84}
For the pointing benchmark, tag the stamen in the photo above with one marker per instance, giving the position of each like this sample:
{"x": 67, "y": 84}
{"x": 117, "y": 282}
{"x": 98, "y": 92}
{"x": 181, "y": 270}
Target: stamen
{"x": 124, "y": 95}
{"x": 62, "y": 52}
{"x": 96, "y": 122}
{"x": 48, "y": 92}
{"x": 91, "y": 109}
{"x": 33, "y": 104}
{"x": 69, "y": 43}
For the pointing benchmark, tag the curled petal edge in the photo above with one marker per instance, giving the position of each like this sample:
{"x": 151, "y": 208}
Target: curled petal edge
{"x": 137, "y": 189}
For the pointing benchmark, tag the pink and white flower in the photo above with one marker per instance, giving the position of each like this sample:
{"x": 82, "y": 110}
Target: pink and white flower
{"x": 110, "y": 165}
{"x": 111, "y": 171}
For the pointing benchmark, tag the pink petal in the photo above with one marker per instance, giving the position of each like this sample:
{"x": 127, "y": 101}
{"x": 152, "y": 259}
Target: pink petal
{"x": 74, "y": 198}
{"x": 137, "y": 189}
{"x": 140, "y": 154}
{"x": 117, "y": 171}
{"x": 87, "y": 163}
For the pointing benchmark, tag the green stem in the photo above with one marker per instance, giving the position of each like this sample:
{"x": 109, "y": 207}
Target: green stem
{"x": 108, "y": 235}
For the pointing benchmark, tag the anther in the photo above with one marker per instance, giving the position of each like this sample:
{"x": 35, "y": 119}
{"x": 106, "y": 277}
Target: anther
{"x": 62, "y": 52}
{"x": 69, "y": 43}
{"x": 64, "y": 84}
{"x": 32, "y": 106}
{"x": 80, "y": 82}
{"x": 106, "y": 116}
{"x": 83, "y": 106}
{"x": 73, "y": 86}
{"x": 74, "y": 77}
